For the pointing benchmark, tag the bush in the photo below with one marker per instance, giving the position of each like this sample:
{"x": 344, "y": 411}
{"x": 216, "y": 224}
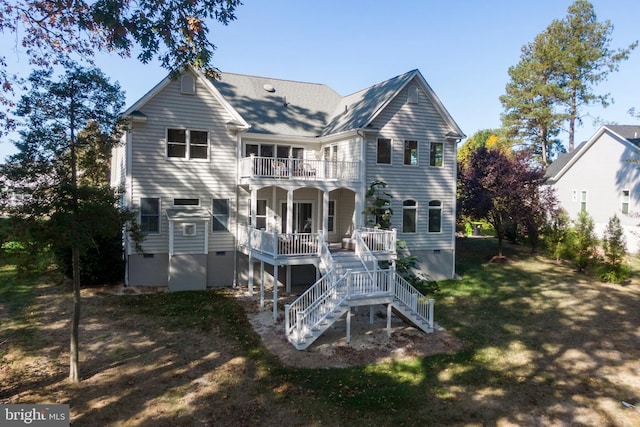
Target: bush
{"x": 584, "y": 243}
{"x": 101, "y": 264}
{"x": 613, "y": 269}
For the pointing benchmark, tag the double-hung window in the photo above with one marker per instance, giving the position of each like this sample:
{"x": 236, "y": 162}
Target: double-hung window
{"x": 220, "y": 213}
{"x": 187, "y": 144}
{"x": 583, "y": 201}
{"x": 411, "y": 153}
{"x": 436, "y": 151}
{"x": 331, "y": 215}
{"x": 150, "y": 215}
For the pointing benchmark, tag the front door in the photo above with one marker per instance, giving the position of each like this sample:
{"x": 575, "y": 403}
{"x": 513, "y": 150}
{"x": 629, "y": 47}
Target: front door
{"x": 302, "y": 217}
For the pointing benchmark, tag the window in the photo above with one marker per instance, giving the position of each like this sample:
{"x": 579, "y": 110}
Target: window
{"x": 625, "y": 201}
{"x": 261, "y": 214}
{"x": 332, "y": 215}
{"x": 409, "y": 216}
{"x": 187, "y": 144}
{"x": 187, "y": 84}
{"x": 220, "y": 213}
{"x": 186, "y": 202}
{"x": 583, "y": 201}
{"x": 176, "y": 143}
{"x": 435, "y": 216}
{"x": 150, "y": 215}
{"x": 384, "y": 151}
{"x": 412, "y": 94}
{"x": 435, "y": 154}
{"x": 411, "y": 153}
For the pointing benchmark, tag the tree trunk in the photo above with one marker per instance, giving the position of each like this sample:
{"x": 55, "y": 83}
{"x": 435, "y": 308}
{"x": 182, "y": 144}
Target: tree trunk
{"x": 74, "y": 374}
{"x": 573, "y": 112}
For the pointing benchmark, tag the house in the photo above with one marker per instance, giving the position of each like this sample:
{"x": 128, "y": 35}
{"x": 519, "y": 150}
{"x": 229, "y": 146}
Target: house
{"x": 602, "y": 177}
{"x": 243, "y": 180}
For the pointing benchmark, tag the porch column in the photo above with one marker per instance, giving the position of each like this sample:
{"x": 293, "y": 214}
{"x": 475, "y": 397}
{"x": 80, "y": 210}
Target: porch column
{"x": 288, "y": 278}
{"x": 254, "y": 207}
{"x": 261, "y": 284}
{"x": 325, "y": 215}
{"x": 250, "y": 284}
{"x": 357, "y": 213}
{"x": 275, "y": 292}
{"x": 289, "y": 212}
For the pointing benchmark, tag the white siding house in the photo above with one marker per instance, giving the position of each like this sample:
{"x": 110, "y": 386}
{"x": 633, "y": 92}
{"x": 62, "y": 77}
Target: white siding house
{"x": 602, "y": 177}
{"x": 245, "y": 180}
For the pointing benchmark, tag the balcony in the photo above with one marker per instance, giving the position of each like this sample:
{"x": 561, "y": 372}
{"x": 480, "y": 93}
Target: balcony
{"x": 255, "y": 167}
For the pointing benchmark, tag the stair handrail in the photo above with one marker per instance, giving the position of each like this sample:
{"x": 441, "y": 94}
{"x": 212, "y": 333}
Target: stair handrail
{"x": 408, "y": 295}
{"x": 313, "y": 307}
{"x": 364, "y": 253}
{"x": 324, "y": 253}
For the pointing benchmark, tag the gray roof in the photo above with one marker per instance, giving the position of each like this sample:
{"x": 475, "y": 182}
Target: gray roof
{"x": 629, "y": 132}
{"x": 284, "y": 107}
{"x": 279, "y": 107}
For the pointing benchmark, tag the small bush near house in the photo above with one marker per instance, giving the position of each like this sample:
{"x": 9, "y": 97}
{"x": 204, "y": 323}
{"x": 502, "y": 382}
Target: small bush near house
{"x": 584, "y": 243}
{"x": 613, "y": 268}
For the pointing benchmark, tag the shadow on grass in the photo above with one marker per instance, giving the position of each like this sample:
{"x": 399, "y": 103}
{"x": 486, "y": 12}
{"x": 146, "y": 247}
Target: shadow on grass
{"x": 543, "y": 345}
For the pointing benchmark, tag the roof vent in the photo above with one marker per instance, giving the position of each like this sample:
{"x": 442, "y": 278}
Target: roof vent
{"x": 269, "y": 88}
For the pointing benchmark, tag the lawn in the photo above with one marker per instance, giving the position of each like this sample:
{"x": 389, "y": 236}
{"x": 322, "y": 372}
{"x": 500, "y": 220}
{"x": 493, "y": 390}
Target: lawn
{"x": 543, "y": 345}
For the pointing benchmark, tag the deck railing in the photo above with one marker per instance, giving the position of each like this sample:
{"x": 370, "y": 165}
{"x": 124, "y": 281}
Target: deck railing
{"x": 305, "y": 169}
{"x": 279, "y": 244}
{"x": 377, "y": 240}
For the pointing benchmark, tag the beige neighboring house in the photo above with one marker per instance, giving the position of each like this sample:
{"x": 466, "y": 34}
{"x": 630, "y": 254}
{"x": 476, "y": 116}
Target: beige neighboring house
{"x": 602, "y": 176}
{"x": 249, "y": 181}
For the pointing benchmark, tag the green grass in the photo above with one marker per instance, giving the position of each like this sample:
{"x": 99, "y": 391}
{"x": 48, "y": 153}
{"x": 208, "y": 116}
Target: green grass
{"x": 519, "y": 321}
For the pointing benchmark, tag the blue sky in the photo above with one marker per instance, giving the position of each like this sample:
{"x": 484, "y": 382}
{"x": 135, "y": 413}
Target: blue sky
{"x": 462, "y": 47}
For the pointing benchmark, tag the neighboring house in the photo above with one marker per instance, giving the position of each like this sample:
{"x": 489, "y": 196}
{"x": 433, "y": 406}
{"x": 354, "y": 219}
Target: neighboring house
{"x": 602, "y": 177}
{"x": 244, "y": 180}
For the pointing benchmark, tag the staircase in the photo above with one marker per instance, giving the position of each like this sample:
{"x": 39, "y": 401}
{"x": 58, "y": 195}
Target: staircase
{"x": 347, "y": 282}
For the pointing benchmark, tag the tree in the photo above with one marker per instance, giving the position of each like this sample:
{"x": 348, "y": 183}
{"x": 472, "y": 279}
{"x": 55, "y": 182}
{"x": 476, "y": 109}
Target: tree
{"x": 501, "y": 187}
{"x": 60, "y": 122}
{"x": 378, "y": 211}
{"x": 490, "y": 138}
{"x": 557, "y": 75}
{"x": 530, "y": 100}
{"x": 586, "y": 58}
{"x": 614, "y": 246}
{"x": 175, "y": 32}
{"x": 584, "y": 242}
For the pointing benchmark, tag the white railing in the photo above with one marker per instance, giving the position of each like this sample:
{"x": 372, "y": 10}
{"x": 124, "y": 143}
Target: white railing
{"x": 326, "y": 260}
{"x": 279, "y": 244}
{"x": 412, "y": 298}
{"x": 313, "y": 307}
{"x": 290, "y": 168}
{"x": 364, "y": 252}
{"x": 368, "y": 283}
{"x": 378, "y": 240}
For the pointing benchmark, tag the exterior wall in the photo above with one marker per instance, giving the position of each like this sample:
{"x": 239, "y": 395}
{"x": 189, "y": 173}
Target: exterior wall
{"x": 155, "y": 175}
{"x": 220, "y": 270}
{"x": 604, "y": 172}
{"x": 149, "y": 269}
{"x": 188, "y": 272}
{"x": 421, "y": 122}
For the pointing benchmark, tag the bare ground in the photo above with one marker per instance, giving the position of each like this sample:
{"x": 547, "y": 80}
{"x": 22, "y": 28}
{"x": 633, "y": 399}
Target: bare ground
{"x": 572, "y": 360}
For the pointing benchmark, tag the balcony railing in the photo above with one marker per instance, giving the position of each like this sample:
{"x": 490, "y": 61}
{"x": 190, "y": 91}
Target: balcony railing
{"x": 280, "y": 168}
{"x": 308, "y": 244}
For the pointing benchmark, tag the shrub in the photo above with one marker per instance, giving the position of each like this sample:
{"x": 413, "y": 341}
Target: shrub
{"x": 584, "y": 243}
{"x": 613, "y": 269}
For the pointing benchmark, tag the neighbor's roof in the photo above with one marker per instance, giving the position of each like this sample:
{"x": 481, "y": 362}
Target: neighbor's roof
{"x": 631, "y": 133}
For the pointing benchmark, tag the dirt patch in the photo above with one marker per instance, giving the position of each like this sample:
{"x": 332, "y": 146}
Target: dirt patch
{"x": 369, "y": 342}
